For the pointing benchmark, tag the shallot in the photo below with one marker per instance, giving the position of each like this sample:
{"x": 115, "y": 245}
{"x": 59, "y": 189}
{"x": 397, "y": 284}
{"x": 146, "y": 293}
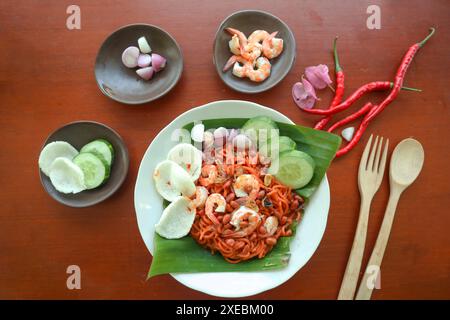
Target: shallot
{"x": 144, "y": 60}
{"x": 208, "y": 139}
{"x": 318, "y": 76}
{"x": 304, "y": 94}
{"x": 145, "y": 73}
{"x": 220, "y": 136}
{"x": 130, "y": 57}
{"x": 133, "y": 57}
{"x": 158, "y": 62}
{"x": 242, "y": 142}
{"x": 232, "y": 134}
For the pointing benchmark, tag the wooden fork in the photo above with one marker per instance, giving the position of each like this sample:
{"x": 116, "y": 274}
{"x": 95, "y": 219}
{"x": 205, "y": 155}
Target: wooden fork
{"x": 370, "y": 174}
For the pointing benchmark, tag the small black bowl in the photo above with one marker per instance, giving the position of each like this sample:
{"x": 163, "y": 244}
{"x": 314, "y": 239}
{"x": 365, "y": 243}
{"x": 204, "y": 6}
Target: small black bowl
{"x": 248, "y": 21}
{"x": 78, "y": 134}
{"x": 123, "y": 84}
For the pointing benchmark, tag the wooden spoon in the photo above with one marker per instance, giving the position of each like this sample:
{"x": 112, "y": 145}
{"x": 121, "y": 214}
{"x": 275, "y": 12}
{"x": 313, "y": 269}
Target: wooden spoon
{"x": 406, "y": 164}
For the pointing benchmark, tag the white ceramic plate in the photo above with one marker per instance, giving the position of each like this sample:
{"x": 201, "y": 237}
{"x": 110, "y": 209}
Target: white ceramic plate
{"x": 149, "y": 207}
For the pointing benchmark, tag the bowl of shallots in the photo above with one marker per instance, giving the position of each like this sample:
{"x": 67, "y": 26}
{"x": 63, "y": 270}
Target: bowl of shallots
{"x": 138, "y": 63}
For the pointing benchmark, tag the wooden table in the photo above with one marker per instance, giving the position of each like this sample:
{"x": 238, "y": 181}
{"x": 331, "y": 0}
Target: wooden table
{"x": 47, "y": 80}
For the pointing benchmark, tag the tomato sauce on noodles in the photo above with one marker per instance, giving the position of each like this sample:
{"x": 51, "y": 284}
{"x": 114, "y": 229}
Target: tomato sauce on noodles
{"x": 271, "y": 199}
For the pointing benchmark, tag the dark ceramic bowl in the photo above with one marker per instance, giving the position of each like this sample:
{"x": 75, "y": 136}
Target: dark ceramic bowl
{"x": 248, "y": 21}
{"x": 78, "y": 134}
{"x": 123, "y": 84}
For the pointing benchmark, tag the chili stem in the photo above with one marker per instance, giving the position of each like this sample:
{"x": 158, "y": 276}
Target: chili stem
{"x": 408, "y": 88}
{"x": 337, "y": 65}
{"x": 421, "y": 43}
{"x": 339, "y": 93}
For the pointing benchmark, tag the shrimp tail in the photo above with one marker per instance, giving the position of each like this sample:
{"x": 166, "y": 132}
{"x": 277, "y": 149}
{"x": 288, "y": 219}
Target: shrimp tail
{"x": 213, "y": 218}
{"x": 232, "y": 31}
{"x": 229, "y": 63}
{"x": 242, "y": 37}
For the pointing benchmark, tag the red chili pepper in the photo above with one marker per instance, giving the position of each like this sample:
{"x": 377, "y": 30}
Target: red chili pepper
{"x": 339, "y": 93}
{"x": 369, "y": 87}
{"x": 367, "y": 107}
{"x": 400, "y": 76}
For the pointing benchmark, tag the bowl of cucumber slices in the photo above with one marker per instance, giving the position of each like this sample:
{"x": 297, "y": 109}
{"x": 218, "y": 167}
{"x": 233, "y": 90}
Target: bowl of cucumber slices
{"x": 83, "y": 163}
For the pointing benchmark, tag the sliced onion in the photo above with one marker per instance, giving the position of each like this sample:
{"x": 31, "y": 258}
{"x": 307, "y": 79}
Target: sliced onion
{"x": 304, "y": 94}
{"x": 145, "y": 73}
{"x": 144, "y": 60}
{"x": 158, "y": 62}
{"x": 130, "y": 57}
{"x": 318, "y": 76}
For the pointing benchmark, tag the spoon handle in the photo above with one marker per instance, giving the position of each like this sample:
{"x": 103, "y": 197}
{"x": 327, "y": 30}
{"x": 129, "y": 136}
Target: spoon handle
{"x": 373, "y": 266}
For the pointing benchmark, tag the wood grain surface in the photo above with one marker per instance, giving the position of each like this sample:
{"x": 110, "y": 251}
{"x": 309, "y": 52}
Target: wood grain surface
{"x": 47, "y": 80}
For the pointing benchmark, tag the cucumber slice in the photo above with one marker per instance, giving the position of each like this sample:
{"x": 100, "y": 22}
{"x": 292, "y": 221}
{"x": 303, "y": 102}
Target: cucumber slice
{"x": 295, "y": 169}
{"x": 260, "y": 129}
{"x": 102, "y": 149}
{"x": 93, "y": 167}
{"x": 66, "y": 177}
{"x": 55, "y": 150}
{"x": 286, "y": 144}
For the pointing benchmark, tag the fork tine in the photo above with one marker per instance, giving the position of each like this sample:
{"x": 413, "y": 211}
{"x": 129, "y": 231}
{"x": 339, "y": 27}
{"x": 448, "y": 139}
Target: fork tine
{"x": 363, "y": 162}
{"x": 383, "y": 158}
{"x": 372, "y": 155}
{"x": 376, "y": 164}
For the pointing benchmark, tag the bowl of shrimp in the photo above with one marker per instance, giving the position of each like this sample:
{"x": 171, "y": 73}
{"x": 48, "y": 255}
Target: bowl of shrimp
{"x": 253, "y": 51}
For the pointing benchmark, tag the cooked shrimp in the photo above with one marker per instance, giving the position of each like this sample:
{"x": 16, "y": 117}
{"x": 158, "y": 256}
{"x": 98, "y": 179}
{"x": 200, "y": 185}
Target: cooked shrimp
{"x": 241, "y": 70}
{"x": 208, "y": 175}
{"x": 258, "y": 36}
{"x": 246, "y": 185}
{"x": 241, "y": 66}
{"x": 249, "y": 202}
{"x": 215, "y": 199}
{"x": 241, "y": 36}
{"x": 244, "y": 216}
{"x": 232, "y": 61}
{"x": 271, "y": 225}
{"x": 272, "y": 47}
{"x": 262, "y": 70}
{"x": 234, "y": 45}
{"x": 251, "y": 51}
{"x": 201, "y": 194}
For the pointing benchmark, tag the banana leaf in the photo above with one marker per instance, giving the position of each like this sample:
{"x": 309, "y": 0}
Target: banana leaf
{"x": 186, "y": 256}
